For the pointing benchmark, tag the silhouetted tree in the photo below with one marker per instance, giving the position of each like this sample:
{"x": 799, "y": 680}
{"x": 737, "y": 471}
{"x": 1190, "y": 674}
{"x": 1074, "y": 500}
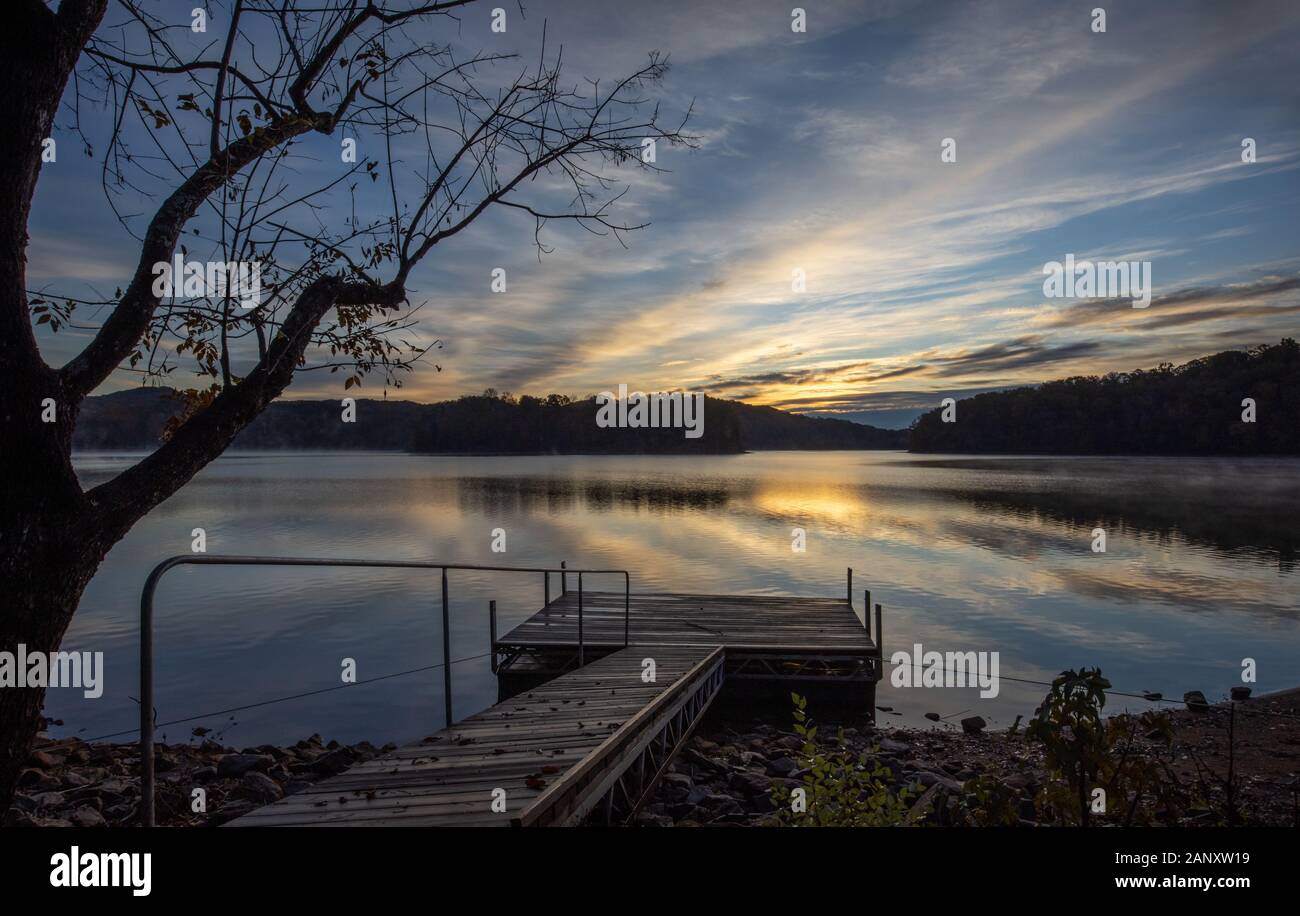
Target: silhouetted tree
{"x": 201, "y": 145}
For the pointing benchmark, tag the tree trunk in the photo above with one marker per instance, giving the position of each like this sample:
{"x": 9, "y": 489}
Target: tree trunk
{"x": 47, "y": 555}
{"x": 43, "y": 584}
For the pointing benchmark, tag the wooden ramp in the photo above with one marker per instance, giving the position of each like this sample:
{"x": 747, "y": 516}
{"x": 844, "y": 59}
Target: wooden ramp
{"x": 765, "y": 636}
{"x": 594, "y": 738}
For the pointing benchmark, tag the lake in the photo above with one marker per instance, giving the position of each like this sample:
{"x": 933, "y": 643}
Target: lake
{"x": 965, "y": 553}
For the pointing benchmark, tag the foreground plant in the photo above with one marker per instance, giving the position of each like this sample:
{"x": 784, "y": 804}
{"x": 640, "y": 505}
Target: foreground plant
{"x": 1113, "y": 770}
{"x": 839, "y": 788}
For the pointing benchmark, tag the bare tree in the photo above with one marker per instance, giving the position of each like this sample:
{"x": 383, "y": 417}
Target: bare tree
{"x": 207, "y": 145}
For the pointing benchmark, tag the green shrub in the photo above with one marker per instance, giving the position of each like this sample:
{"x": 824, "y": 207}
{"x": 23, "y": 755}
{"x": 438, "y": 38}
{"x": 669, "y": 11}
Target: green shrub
{"x": 1085, "y": 752}
{"x": 839, "y": 788}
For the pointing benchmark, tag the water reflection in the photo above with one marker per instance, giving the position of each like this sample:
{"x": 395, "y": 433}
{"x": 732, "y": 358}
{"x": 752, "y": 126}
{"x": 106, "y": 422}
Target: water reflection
{"x": 978, "y": 554}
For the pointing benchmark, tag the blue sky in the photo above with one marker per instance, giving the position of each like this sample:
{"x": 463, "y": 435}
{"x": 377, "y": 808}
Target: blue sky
{"x": 821, "y": 151}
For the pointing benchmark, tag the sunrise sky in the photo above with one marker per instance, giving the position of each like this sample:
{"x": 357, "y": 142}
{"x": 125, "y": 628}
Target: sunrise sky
{"x": 821, "y": 151}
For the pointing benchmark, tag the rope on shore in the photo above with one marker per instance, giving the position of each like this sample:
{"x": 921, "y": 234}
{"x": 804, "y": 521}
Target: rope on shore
{"x": 296, "y": 696}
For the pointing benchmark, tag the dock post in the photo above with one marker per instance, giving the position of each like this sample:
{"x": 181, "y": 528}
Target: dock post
{"x": 880, "y": 643}
{"x": 546, "y": 590}
{"x": 880, "y": 666}
{"x": 866, "y": 611}
{"x": 850, "y": 590}
{"x": 582, "y": 655}
{"x": 492, "y": 631}
{"x": 564, "y": 578}
{"x": 446, "y": 649}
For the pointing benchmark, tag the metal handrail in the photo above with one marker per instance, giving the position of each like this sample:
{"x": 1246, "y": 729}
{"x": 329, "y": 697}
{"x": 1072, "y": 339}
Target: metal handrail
{"x": 146, "y": 627}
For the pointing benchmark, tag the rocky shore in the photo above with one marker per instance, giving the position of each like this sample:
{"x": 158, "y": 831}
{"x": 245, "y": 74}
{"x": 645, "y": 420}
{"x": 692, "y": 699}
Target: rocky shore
{"x": 69, "y": 783}
{"x": 970, "y": 777}
{"x": 724, "y": 777}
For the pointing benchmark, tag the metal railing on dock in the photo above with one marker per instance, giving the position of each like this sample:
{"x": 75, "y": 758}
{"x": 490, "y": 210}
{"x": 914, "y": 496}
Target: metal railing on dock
{"x": 151, "y": 586}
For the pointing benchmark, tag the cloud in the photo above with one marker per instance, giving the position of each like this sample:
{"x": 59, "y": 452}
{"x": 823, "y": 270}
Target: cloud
{"x": 1268, "y": 298}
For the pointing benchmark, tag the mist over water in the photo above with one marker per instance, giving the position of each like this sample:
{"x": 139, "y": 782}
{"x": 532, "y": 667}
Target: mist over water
{"x": 965, "y": 554}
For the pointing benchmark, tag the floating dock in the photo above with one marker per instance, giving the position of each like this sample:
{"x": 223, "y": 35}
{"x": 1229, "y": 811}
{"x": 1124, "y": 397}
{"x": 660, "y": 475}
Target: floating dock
{"x": 604, "y": 689}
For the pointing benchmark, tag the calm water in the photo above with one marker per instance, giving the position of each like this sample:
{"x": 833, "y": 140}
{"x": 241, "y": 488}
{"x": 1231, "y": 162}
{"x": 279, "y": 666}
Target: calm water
{"x": 965, "y": 554}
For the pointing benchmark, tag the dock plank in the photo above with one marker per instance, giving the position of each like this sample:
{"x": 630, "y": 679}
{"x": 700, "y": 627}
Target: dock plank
{"x": 528, "y": 745}
{"x": 759, "y": 622}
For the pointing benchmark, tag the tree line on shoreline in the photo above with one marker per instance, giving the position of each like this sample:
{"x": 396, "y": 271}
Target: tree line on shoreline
{"x": 1238, "y": 402}
{"x": 489, "y": 423}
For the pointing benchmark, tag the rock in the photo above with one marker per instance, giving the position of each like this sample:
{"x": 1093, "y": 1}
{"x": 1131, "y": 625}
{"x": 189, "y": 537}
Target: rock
{"x": 204, "y": 774}
{"x": 699, "y": 759}
{"x": 973, "y": 725}
{"x": 782, "y": 766}
{"x": 729, "y": 807}
{"x": 52, "y": 822}
{"x": 1152, "y": 695}
{"x": 894, "y": 747}
{"x": 708, "y": 797}
{"x": 16, "y": 817}
{"x": 333, "y": 763}
{"x": 1195, "y": 701}
{"x": 1240, "y": 693}
{"x": 697, "y": 795}
{"x": 233, "y": 765}
{"x": 25, "y": 803}
{"x": 45, "y": 760}
{"x": 751, "y": 783}
{"x": 678, "y": 780}
{"x": 929, "y": 780}
{"x": 38, "y": 780}
{"x": 646, "y": 819}
{"x": 933, "y": 716}
{"x": 86, "y": 816}
{"x": 260, "y": 788}
{"x": 680, "y": 811}
{"x": 1025, "y": 809}
{"x": 893, "y": 766}
{"x": 296, "y": 785}
{"x": 923, "y": 806}
{"x": 231, "y": 810}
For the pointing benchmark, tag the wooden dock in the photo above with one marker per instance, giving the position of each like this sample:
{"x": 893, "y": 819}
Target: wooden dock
{"x": 604, "y": 688}
{"x": 765, "y": 637}
{"x": 595, "y": 738}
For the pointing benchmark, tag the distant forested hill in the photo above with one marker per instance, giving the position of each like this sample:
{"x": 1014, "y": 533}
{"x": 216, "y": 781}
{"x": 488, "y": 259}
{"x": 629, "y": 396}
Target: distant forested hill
{"x": 769, "y": 428}
{"x": 1194, "y": 409}
{"x": 477, "y": 424}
